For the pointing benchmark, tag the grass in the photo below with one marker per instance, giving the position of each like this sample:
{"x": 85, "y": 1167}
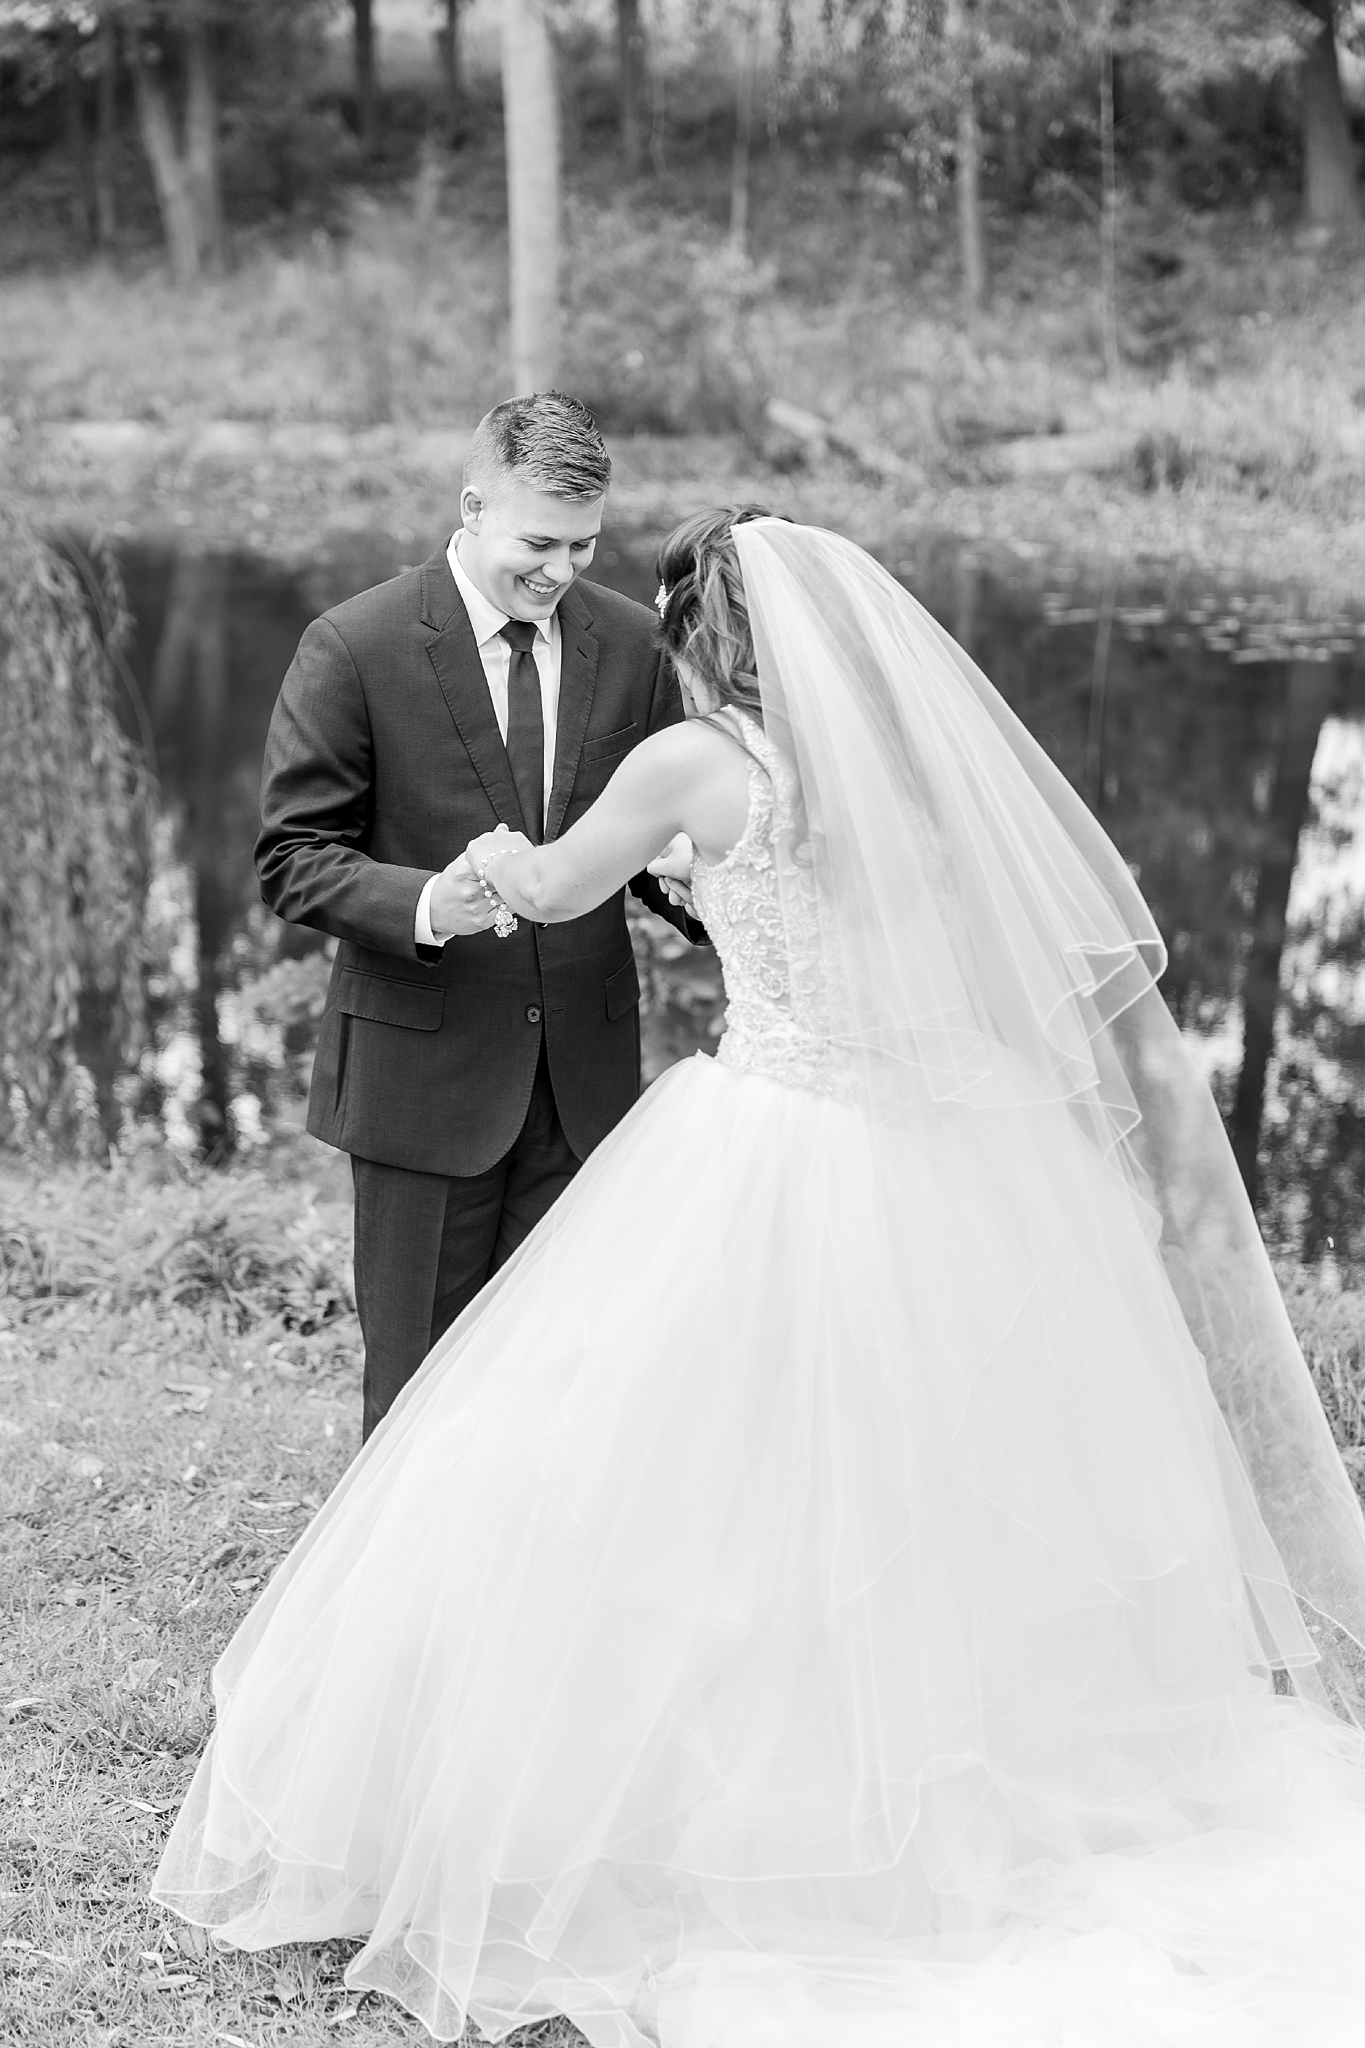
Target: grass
{"x": 1238, "y": 421}
{"x": 172, "y": 1357}
{"x": 179, "y": 1391}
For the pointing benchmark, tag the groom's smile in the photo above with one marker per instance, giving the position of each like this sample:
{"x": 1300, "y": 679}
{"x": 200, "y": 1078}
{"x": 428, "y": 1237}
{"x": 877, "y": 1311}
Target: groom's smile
{"x": 523, "y": 547}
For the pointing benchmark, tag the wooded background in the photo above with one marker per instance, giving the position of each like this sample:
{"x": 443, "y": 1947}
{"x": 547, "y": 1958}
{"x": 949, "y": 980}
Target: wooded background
{"x": 223, "y": 115}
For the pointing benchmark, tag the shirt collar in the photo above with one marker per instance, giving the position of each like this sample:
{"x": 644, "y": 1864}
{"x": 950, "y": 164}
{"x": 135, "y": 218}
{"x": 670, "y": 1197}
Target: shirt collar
{"x": 485, "y": 617}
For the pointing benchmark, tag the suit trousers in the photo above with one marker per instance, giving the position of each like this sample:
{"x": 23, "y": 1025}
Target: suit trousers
{"x": 425, "y": 1244}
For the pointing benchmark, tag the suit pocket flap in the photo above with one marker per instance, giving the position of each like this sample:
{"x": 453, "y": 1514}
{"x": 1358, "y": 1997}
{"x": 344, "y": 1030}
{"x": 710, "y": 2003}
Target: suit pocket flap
{"x": 605, "y": 744}
{"x": 623, "y": 990}
{"x": 384, "y": 1000}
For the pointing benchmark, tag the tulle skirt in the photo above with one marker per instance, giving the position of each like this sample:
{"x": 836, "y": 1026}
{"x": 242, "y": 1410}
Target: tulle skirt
{"x": 810, "y": 1597}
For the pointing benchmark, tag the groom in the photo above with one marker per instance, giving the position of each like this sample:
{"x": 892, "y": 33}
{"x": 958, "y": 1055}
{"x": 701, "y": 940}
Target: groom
{"x": 467, "y": 1075}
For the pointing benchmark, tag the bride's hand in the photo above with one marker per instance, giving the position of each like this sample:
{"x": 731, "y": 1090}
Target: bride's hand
{"x": 503, "y": 840}
{"x": 673, "y": 868}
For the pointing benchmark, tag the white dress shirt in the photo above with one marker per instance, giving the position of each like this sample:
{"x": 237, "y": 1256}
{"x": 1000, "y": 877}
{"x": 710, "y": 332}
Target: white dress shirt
{"x": 487, "y": 623}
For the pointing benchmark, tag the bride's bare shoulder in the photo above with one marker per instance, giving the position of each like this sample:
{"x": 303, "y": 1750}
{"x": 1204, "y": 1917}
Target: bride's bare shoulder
{"x": 700, "y": 746}
{"x": 701, "y": 769}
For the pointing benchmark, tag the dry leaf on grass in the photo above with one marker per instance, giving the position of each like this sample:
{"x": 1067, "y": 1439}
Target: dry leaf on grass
{"x": 194, "y": 1399}
{"x": 81, "y": 1464}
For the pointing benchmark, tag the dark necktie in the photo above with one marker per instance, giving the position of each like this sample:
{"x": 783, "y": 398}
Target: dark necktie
{"x": 525, "y": 726}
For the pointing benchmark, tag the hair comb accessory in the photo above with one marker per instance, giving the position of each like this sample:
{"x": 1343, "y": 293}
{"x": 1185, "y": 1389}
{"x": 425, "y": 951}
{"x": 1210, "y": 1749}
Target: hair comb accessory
{"x": 661, "y": 600}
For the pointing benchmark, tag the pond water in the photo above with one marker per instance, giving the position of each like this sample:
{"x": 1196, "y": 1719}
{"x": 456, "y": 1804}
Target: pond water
{"x": 1222, "y": 745}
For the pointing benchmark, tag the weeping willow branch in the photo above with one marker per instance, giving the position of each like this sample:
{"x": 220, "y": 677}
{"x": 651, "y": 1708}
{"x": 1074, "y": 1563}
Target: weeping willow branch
{"x": 75, "y": 822}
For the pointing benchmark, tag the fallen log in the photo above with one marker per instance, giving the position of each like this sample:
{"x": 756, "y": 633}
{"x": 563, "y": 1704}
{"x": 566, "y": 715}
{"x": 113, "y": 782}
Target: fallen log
{"x": 1097, "y": 449}
{"x": 819, "y": 435}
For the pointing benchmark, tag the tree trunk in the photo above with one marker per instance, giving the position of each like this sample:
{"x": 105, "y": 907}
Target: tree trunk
{"x": 190, "y": 691}
{"x": 630, "y": 45}
{"x": 170, "y": 174}
{"x": 201, "y": 143}
{"x": 969, "y": 201}
{"x": 362, "y": 15}
{"x": 452, "y": 70}
{"x": 213, "y": 908}
{"x": 1015, "y": 154}
{"x": 1099, "y": 695}
{"x": 971, "y": 241}
{"x": 97, "y": 1044}
{"x": 184, "y": 171}
{"x": 1330, "y": 195}
{"x": 744, "y": 129}
{"x": 1311, "y": 689}
{"x": 82, "y": 198}
{"x": 1109, "y": 207}
{"x": 530, "y": 95}
{"x": 967, "y": 605}
{"x": 106, "y": 209}
{"x": 658, "y": 117}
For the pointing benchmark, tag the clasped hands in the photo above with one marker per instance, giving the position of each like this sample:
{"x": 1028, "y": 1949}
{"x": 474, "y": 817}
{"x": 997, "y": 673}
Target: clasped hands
{"x": 460, "y": 905}
{"x": 673, "y": 870}
{"x": 459, "y": 902}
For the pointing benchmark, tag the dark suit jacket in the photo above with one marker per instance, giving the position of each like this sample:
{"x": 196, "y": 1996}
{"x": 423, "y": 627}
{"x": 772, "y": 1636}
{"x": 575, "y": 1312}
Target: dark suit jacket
{"x": 383, "y": 761}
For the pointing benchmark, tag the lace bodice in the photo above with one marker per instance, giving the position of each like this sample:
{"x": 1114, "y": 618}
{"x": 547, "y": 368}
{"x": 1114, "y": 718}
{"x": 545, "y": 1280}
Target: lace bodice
{"x": 767, "y": 934}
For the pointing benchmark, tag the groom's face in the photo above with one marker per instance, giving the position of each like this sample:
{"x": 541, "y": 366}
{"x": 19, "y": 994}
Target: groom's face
{"x": 523, "y": 547}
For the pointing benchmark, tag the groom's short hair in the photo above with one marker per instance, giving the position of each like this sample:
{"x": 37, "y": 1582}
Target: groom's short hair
{"x": 548, "y": 440}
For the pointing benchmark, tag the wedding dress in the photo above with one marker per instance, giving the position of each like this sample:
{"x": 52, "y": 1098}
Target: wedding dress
{"x": 818, "y": 1594}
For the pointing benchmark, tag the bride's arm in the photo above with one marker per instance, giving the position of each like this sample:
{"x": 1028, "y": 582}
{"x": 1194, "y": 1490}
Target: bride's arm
{"x": 687, "y": 778}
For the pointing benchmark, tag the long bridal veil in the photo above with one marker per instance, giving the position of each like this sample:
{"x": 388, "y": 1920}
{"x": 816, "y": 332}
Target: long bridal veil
{"x": 982, "y": 943}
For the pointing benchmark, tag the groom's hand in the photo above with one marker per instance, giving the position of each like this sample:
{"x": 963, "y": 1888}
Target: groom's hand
{"x": 459, "y": 906}
{"x": 672, "y": 869}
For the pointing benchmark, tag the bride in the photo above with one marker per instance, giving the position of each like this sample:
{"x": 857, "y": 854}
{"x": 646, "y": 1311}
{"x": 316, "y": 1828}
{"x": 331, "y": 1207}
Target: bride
{"x": 873, "y": 1568}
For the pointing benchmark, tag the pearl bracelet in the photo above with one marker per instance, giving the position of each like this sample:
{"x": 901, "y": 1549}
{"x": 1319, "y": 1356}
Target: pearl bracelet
{"x": 504, "y": 919}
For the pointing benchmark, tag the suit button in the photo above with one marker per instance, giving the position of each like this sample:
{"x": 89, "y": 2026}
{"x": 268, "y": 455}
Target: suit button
{"x": 533, "y": 1013}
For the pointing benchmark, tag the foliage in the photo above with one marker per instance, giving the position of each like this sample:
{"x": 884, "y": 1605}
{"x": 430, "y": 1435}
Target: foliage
{"x": 74, "y": 821}
{"x": 1329, "y": 1322}
{"x": 282, "y": 151}
{"x": 1188, "y": 46}
{"x": 676, "y": 362}
{"x": 255, "y": 1259}
{"x": 682, "y": 995}
{"x": 889, "y": 75}
{"x": 273, "y": 1014}
{"x": 878, "y": 76}
{"x": 31, "y": 34}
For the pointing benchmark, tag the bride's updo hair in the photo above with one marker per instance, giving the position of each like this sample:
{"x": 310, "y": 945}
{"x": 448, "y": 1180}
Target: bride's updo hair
{"x": 701, "y": 604}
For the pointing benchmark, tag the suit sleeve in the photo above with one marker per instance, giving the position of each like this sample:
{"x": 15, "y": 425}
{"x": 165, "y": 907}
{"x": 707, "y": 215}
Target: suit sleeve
{"x": 317, "y": 797}
{"x": 666, "y": 708}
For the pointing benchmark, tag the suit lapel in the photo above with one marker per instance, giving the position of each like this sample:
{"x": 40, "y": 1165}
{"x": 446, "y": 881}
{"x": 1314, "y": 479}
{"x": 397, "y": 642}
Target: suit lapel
{"x": 459, "y": 671}
{"x": 577, "y": 680}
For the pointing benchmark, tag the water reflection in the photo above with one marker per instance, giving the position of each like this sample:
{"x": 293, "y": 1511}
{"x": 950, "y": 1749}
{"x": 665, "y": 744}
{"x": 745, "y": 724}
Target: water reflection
{"x": 1312, "y": 1139}
{"x": 1222, "y": 745}
{"x": 214, "y": 634}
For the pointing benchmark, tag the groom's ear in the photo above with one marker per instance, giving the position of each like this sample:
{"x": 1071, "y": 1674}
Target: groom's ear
{"x": 471, "y": 508}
